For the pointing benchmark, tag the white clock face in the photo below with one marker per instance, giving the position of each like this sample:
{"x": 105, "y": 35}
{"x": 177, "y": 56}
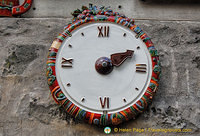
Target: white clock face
{"x": 95, "y": 92}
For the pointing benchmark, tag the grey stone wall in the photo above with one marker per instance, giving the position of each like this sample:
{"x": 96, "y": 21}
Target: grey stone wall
{"x": 151, "y": 9}
{"x": 27, "y": 108}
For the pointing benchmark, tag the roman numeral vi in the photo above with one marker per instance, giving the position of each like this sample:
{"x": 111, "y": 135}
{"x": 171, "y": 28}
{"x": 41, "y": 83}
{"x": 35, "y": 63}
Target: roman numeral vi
{"x": 104, "y": 102}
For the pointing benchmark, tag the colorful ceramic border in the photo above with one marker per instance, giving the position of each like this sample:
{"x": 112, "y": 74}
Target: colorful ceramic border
{"x": 12, "y": 8}
{"x": 17, "y": 10}
{"x": 92, "y": 14}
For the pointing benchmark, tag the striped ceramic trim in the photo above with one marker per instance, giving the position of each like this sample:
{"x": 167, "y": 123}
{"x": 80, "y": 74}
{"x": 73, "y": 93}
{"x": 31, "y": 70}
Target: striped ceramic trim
{"x": 93, "y": 14}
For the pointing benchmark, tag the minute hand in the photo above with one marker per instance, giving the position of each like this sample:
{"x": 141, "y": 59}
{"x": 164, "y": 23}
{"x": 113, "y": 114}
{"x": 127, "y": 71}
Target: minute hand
{"x": 118, "y": 58}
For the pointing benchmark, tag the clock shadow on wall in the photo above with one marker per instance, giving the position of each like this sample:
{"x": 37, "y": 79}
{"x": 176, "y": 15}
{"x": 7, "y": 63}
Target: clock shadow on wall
{"x": 102, "y": 69}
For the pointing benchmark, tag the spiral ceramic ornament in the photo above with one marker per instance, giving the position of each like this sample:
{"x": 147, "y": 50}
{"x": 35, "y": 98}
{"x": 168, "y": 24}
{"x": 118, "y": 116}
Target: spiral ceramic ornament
{"x": 103, "y": 69}
{"x": 12, "y": 8}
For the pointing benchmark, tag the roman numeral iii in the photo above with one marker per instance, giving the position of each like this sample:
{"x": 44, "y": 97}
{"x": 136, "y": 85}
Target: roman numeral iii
{"x": 104, "y": 102}
{"x": 141, "y": 68}
{"x": 103, "y": 31}
{"x": 66, "y": 62}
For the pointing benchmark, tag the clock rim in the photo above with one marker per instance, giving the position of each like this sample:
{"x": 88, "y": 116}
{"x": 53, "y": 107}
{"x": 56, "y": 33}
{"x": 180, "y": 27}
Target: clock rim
{"x": 97, "y": 111}
{"x": 95, "y": 118}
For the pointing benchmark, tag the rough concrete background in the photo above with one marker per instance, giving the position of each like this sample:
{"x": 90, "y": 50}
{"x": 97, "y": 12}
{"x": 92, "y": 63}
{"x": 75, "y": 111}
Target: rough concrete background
{"x": 27, "y": 108}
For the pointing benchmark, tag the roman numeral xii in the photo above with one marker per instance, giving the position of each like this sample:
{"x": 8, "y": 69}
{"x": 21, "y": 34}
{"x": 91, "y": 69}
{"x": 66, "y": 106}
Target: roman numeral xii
{"x": 103, "y": 31}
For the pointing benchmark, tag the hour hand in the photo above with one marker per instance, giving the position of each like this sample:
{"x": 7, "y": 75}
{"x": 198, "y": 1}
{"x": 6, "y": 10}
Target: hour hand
{"x": 118, "y": 58}
{"x": 105, "y": 65}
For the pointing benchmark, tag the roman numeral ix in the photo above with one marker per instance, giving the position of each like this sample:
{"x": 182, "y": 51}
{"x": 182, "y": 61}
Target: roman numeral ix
{"x": 66, "y": 62}
{"x": 103, "y": 31}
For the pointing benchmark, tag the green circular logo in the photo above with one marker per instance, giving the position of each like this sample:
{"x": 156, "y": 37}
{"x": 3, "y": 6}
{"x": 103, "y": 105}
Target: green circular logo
{"x": 107, "y": 130}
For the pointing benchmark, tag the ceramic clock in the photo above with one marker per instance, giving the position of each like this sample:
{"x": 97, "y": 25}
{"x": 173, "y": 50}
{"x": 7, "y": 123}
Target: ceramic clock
{"x": 102, "y": 68}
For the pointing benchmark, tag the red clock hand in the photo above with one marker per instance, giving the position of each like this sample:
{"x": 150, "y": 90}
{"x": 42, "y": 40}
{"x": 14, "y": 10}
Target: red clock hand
{"x": 118, "y": 58}
{"x": 105, "y": 65}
